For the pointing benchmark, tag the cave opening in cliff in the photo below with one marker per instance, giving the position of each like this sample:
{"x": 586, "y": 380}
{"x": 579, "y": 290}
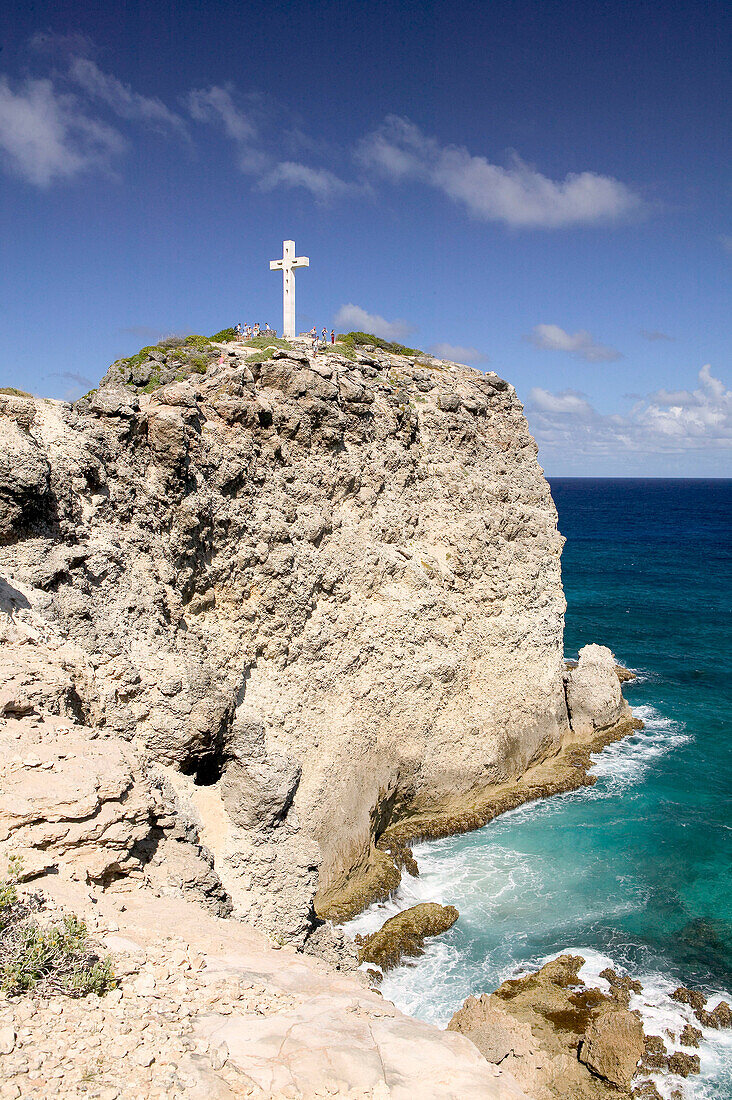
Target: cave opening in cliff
{"x": 206, "y": 770}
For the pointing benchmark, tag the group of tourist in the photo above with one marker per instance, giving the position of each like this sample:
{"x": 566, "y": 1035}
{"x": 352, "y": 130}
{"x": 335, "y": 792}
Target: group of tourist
{"x": 249, "y": 332}
{"x": 323, "y": 338}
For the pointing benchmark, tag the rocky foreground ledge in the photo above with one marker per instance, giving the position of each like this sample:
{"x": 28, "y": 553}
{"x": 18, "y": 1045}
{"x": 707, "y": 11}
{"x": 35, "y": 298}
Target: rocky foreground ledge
{"x": 209, "y": 1009}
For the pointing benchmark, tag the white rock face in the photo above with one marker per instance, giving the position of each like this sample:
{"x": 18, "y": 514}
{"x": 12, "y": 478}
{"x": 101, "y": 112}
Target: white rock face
{"x": 594, "y": 697}
{"x": 315, "y": 594}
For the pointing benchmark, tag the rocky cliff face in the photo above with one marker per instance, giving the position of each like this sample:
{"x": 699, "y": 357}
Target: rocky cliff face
{"x": 315, "y": 595}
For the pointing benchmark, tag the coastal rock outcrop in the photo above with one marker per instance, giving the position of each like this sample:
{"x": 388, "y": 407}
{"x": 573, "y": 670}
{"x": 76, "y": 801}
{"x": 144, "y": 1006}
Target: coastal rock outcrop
{"x": 563, "y": 1038}
{"x": 403, "y": 935}
{"x": 318, "y": 593}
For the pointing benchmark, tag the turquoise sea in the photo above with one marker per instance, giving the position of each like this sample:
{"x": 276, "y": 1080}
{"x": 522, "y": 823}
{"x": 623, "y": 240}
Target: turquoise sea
{"x": 636, "y": 869}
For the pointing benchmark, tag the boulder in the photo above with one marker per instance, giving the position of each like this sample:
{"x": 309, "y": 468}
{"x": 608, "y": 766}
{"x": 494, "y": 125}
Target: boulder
{"x": 594, "y": 698}
{"x": 403, "y": 935}
{"x": 612, "y": 1046}
{"x": 494, "y": 1032}
{"x": 684, "y": 1064}
{"x": 691, "y": 997}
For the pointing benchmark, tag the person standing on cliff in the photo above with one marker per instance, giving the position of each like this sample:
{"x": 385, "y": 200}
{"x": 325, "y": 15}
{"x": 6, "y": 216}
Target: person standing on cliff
{"x": 332, "y": 336}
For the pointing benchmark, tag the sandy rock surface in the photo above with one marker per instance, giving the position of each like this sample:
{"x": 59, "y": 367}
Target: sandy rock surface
{"x": 208, "y": 1009}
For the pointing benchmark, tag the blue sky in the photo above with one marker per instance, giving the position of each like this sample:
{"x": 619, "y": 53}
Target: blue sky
{"x": 539, "y": 188}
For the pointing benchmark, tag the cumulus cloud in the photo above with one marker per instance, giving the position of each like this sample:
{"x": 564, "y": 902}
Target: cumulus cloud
{"x": 121, "y": 99}
{"x": 517, "y": 195}
{"x": 663, "y": 422}
{"x": 568, "y": 402}
{"x": 458, "y": 353}
{"x": 46, "y": 135}
{"x": 580, "y": 344}
{"x": 355, "y": 319}
{"x": 654, "y": 334}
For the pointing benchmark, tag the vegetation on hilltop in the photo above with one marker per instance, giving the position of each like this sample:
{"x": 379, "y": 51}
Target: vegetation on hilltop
{"x": 359, "y": 339}
{"x": 11, "y": 391}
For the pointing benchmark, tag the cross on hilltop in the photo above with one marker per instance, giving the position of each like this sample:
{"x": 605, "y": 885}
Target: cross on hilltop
{"x": 287, "y": 265}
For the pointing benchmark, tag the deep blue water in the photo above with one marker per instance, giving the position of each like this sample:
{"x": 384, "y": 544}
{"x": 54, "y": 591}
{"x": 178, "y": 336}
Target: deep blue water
{"x": 636, "y": 869}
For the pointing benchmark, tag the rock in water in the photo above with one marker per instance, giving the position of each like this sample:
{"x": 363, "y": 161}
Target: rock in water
{"x": 612, "y": 1046}
{"x": 594, "y": 697}
{"x": 403, "y": 935}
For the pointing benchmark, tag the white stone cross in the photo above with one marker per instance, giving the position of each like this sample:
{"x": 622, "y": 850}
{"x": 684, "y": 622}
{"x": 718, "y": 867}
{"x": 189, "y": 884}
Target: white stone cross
{"x": 286, "y": 265}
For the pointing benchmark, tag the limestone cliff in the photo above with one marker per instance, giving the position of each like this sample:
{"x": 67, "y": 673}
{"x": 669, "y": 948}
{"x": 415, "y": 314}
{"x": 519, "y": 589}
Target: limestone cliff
{"x": 316, "y": 595}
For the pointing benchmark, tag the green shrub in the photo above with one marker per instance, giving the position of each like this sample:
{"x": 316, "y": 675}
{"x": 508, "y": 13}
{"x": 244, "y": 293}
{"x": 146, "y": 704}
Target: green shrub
{"x": 262, "y": 356}
{"x": 225, "y": 336}
{"x": 199, "y": 363}
{"x": 170, "y": 342}
{"x": 348, "y": 351}
{"x": 54, "y": 957}
{"x": 267, "y": 341}
{"x": 358, "y": 339}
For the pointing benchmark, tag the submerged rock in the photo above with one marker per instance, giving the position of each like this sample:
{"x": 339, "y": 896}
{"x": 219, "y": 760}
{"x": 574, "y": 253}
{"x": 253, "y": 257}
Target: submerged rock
{"x": 403, "y": 935}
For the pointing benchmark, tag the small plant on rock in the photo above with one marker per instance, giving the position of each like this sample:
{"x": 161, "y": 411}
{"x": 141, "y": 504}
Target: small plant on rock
{"x": 46, "y": 956}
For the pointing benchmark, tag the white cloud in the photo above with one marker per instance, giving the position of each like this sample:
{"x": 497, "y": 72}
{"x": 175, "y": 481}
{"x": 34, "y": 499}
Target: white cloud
{"x": 566, "y": 426}
{"x": 458, "y": 353}
{"x": 580, "y": 344}
{"x": 654, "y": 334}
{"x": 568, "y": 402}
{"x": 47, "y": 136}
{"x": 216, "y": 104}
{"x": 517, "y": 195}
{"x": 726, "y": 241}
{"x": 352, "y": 318}
{"x": 121, "y": 99}
{"x": 320, "y": 182}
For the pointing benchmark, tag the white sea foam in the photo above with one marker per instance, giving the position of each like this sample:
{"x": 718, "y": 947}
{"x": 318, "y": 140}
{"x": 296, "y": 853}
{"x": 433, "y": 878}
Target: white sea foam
{"x": 624, "y": 763}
